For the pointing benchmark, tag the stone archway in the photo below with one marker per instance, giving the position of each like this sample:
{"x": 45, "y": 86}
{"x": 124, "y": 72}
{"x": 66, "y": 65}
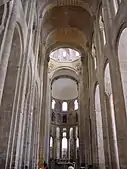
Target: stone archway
{"x": 122, "y": 56}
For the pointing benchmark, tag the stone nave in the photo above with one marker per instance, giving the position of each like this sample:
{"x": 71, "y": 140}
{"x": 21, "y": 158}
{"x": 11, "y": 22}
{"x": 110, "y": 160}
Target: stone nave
{"x": 63, "y": 83}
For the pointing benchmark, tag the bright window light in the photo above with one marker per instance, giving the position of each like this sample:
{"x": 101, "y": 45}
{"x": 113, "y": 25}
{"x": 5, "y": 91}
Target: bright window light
{"x": 53, "y": 104}
{"x": 51, "y": 141}
{"x": 64, "y": 134}
{"x": 77, "y": 143}
{"x": 75, "y": 104}
{"x": 64, "y": 143}
{"x": 64, "y": 106}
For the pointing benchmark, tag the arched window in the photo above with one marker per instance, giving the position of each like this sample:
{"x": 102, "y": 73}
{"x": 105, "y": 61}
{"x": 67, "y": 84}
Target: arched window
{"x": 122, "y": 56}
{"x": 64, "y": 106}
{"x": 53, "y": 104}
{"x": 75, "y": 104}
{"x": 76, "y": 131}
{"x": 64, "y": 134}
{"x": 77, "y": 143}
{"x": 65, "y": 55}
{"x": 51, "y": 142}
{"x": 71, "y": 132}
{"x": 64, "y": 143}
{"x": 64, "y": 129}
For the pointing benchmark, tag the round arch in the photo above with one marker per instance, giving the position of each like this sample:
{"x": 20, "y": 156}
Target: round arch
{"x": 118, "y": 35}
{"x": 64, "y": 72}
{"x": 84, "y": 5}
{"x": 122, "y": 57}
{"x": 63, "y": 38}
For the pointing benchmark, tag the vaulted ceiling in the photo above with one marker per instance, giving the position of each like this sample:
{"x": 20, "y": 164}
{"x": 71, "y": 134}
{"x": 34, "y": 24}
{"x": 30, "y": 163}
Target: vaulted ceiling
{"x": 67, "y": 23}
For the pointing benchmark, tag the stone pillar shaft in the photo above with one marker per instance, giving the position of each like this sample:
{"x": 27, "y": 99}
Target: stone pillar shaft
{"x": 83, "y": 111}
{"x": 100, "y": 49}
{"x": 60, "y": 147}
{"x": 114, "y": 160}
{"x": 68, "y": 148}
{"x": 75, "y": 150}
{"x": 54, "y": 148}
{"x": 25, "y": 67}
{"x": 43, "y": 104}
{"x": 81, "y": 127}
{"x": 47, "y": 119}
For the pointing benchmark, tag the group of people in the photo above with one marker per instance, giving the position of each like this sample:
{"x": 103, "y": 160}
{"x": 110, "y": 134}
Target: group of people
{"x": 69, "y": 166}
